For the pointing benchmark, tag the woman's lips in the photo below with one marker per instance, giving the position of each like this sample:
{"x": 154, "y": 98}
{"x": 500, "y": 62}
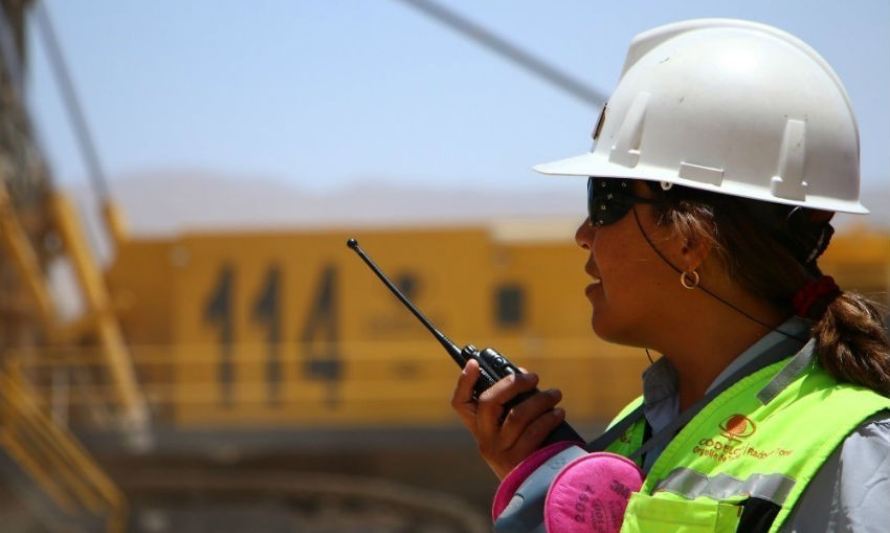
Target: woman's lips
{"x": 596, "y": 282}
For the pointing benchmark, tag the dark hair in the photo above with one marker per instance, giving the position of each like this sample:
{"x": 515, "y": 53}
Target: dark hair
{"x": 771, "y": 249}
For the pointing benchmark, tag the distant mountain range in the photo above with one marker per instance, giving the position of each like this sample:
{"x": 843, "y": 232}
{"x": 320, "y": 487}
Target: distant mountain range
{"x": 169, "y": 203}
{"x": 174, "y": 202}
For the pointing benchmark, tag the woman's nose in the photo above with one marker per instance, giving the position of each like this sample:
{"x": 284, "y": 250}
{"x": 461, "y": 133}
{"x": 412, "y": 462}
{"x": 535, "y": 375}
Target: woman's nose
{"x": 584, "y": 234}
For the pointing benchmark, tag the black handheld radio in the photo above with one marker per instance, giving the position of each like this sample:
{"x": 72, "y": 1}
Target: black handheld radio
{"x": 492, "y": 365}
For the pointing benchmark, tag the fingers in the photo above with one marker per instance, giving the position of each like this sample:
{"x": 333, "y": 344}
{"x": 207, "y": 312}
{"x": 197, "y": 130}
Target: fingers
{"x": 535, "y": 432}
{"x": 462, "y": 399}
{"x": 490, "y": 407}
{"x": 504, "y": 441}
{"x": 521, "y": 418}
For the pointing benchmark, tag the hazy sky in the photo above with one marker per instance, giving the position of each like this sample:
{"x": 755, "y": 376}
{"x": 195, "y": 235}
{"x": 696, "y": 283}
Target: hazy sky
{"x": 324, "y": 93}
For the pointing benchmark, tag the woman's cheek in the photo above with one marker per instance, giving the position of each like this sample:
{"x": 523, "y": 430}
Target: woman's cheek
{"x": 624, "y": 301}
{"x": 609, "y": 310}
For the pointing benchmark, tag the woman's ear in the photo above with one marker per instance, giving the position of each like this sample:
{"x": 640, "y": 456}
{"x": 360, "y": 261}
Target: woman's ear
{"x": 694, "y": 251}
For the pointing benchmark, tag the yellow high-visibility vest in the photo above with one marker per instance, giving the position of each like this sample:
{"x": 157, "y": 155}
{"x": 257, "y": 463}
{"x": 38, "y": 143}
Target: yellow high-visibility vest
{"x": 743, "y": 460}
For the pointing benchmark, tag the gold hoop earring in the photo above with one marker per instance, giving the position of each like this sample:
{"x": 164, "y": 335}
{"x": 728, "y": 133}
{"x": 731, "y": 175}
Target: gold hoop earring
{"x": 689, "y": 279}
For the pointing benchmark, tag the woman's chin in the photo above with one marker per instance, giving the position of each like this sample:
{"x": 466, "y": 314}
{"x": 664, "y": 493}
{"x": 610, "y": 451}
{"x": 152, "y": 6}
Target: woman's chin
{"x": 611, "y": 332}
{"x": 602, "y": 328}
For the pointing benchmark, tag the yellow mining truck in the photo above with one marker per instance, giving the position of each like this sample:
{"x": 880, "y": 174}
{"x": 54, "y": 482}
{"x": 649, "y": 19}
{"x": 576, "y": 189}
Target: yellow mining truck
{"x": 279, "y": 353}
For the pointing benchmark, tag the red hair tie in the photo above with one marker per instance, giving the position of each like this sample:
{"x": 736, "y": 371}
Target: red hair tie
{"x": 815, "y": 296}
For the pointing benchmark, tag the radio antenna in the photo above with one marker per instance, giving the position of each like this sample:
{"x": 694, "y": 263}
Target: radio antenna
{"x": 449, "y": 346}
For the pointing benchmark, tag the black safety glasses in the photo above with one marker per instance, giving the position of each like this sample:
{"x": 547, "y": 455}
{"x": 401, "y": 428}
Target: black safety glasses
{"x": 609, "y": 199}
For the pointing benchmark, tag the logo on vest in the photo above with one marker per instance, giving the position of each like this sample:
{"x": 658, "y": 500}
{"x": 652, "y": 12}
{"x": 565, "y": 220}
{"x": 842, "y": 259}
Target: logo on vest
{"x": 734, "y": 431}
{"x": 737, "y": 427}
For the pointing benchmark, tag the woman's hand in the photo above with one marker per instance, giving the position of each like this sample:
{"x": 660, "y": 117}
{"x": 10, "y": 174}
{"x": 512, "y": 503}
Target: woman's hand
{"x": 503, "y": 446}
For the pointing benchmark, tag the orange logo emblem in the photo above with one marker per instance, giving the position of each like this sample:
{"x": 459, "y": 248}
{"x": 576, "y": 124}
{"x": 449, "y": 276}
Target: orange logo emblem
{"x": 737, "y": 427}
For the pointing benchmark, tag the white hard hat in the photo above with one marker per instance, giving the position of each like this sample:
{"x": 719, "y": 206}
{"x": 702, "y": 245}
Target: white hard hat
{"x": 733, "y": 107}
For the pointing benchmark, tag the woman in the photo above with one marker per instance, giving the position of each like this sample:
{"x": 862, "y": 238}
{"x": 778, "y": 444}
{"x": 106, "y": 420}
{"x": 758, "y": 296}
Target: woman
{"x": 719, "y": 161}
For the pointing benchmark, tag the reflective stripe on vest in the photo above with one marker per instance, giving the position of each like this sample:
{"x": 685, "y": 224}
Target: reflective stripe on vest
{"x": 691, "y": 484}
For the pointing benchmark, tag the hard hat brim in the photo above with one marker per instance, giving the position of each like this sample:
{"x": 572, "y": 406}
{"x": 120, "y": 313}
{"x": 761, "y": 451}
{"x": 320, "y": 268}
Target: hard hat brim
{"x": 592, "y": 164}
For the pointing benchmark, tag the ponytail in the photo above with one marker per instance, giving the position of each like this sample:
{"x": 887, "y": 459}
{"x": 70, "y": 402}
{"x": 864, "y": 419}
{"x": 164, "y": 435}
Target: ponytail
{"x": 852, "y": 342}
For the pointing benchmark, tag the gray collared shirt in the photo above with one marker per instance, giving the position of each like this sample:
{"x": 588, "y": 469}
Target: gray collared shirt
{"x": 852, "y": 489}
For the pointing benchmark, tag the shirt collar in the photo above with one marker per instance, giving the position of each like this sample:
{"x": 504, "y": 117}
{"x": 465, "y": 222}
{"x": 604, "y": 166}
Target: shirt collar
{"x": 659, "y": 381}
